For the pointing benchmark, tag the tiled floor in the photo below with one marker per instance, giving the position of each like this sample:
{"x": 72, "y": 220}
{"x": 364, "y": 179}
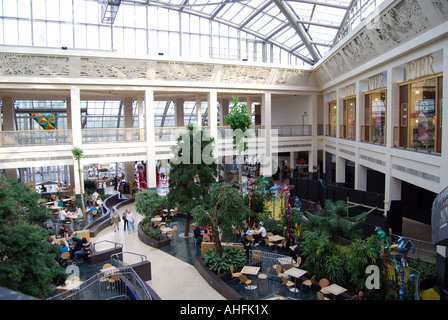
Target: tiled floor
{"x": 172, "y": 278}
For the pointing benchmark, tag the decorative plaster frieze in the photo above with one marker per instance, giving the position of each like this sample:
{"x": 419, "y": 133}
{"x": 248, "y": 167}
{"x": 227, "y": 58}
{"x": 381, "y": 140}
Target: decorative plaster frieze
{"x": 13, "y": 64}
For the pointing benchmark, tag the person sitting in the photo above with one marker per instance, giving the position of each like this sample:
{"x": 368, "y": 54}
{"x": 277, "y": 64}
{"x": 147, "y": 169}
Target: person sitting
{"x": 84, "y": 252}
{"x": 197, "y": 235}
{"x": 77, "y": 246}
{"x": 62, "y": 214}
{"x": 260, "y": 234}
{"x": 205, "y": 234}
{"x": 64, "y": 248}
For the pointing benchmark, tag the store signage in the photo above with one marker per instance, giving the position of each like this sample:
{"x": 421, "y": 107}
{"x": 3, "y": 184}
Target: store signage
{"x": 376, "y": 82}
{"x": 420, "y": 68}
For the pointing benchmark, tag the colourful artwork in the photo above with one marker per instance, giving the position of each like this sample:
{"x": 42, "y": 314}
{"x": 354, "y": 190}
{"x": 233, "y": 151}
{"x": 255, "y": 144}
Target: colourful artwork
{"x": 46, "y": 120}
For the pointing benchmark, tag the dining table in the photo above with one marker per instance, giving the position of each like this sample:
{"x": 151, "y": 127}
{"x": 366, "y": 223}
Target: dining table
{"x": 276, "y": 238}
{"x": 295, "y": 273}
{"x": 252, "y": 271}
{"x": 335, "y": 289}
{"x": 70, "y": 284}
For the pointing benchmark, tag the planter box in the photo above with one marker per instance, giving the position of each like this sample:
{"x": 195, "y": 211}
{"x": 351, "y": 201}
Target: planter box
{"x": 150, "y": 241}
{"x": 215, "y": 280}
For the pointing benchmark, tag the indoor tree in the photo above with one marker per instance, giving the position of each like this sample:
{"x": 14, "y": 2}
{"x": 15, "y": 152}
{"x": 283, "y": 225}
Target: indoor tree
{"x": 27, "y": 258}
{"x": 192, "y": 170}
{"x": 239, "y": 121}
{"x": 78, "y": 154}
{"x": 223, "y": 211}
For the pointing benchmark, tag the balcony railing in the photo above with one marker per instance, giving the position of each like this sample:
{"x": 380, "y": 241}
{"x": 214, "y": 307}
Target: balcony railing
{"x": 301, "y": 130}
{"x": 107, "y": 135}
{"x": 254, "y": 131}
{"x": 35, "y": 137}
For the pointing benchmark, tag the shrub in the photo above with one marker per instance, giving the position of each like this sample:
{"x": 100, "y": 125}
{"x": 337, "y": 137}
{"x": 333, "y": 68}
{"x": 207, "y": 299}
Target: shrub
{"x": 147, "y": 228}
{"x": 230, "y": 257}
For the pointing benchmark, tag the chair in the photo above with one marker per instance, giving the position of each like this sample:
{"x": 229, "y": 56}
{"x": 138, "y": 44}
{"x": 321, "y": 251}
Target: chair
{"x": 250, "y": 238}
{"x": 106, "y": 265}
{"x": 309, "y": 283}
{"x": 65, "y": 257}
{"x": 278, "y": 269}
{"x": 324, "y": 283}
{"x": 320, "y": 296}
{"x": 113, "y": 279}
{"x": 282, "y": 244}
{"x": 297, "y": 263}
{"x": 157, "y": 223}
{"x": 172, "y": 233}
{"x": 234, "y": 274}
{"x": 263, "y": 276}
{"x": 245, "y": 280}
{"x": 94, "y": 212}
{"x": 257, "y": 257}
{"x": 287, "y": 283}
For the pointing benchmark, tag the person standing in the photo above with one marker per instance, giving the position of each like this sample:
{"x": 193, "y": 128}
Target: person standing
{"x": 125, "y": 219}
{"x": 131, "y": 220}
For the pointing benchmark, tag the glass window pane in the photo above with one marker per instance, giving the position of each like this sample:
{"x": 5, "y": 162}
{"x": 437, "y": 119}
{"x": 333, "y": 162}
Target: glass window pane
{"x": 67, "y": 39}
{"x": 423, "y": 115}
{"x": 52, "y": 8}
{"x": 53, "y": 34}
{"x": 378, "y": 118}
{"x": 66, "y": 10}
{"x": 24, "y": 9}
{"x": 39, "y": 33}
{"x": 11, "y": 36}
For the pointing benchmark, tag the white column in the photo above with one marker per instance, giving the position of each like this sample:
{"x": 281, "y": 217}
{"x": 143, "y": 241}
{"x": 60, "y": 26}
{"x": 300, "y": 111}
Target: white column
{"x": 151, "y": 152}
{"x": 360, "y": 177}
{"x": 179, "y": 112}
{"x": 198, "y": 110}
{"x": 392, "y": 191}
{"x": 340, "y": 170}
{"x": 212, "y": 101}
{"x": 75, "y": 111}
{"x": 266, "y": 162}
{"x": 140, "y": 117}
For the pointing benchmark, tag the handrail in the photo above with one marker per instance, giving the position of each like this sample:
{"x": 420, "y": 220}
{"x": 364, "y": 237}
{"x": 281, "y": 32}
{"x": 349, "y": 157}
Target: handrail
{"x": 121, "y": 261}
{"x": 96, "y": 288}
{"x": 115, "y": 243}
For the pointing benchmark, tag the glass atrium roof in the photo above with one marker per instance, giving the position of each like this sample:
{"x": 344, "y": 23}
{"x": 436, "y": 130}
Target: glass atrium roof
{"x": 306, "y": 29}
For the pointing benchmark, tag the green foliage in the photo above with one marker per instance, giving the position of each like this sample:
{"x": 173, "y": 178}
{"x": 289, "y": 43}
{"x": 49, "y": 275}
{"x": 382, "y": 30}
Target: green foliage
{"x": 427, "y": 270}
{"x": 191, "y": 173}
{"x": 27, "y": 259}
{"x": 223, "y": 210}
{"x": 154, "y": 233}
{"x": 89, "y": 185}
{"x": 334, "y": 220}
{"x": 148, "y": 202}
{"x": 230, "y": 257}
{"x": 239, "y": 121}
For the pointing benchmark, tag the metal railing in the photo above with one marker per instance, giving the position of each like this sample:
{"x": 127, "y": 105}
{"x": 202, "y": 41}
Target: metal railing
{"x": 120, "y": 284}
{"x": 293, "y": 130}
{"x": 118, "y": 258}
{"x": 267, "y": 261}
{"x": 35, "y": 137}
{"x": 424, "y": 250}
{"x": 105, "y": 135}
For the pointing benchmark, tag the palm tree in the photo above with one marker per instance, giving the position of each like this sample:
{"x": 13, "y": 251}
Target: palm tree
{"x": 78, "y": 154}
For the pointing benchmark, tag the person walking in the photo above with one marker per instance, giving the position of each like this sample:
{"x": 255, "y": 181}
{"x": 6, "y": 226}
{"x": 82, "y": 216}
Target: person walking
{"x": 115, "y": 221}
{"x": 131, "y": 220}
{"x": 125, "y": 219}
